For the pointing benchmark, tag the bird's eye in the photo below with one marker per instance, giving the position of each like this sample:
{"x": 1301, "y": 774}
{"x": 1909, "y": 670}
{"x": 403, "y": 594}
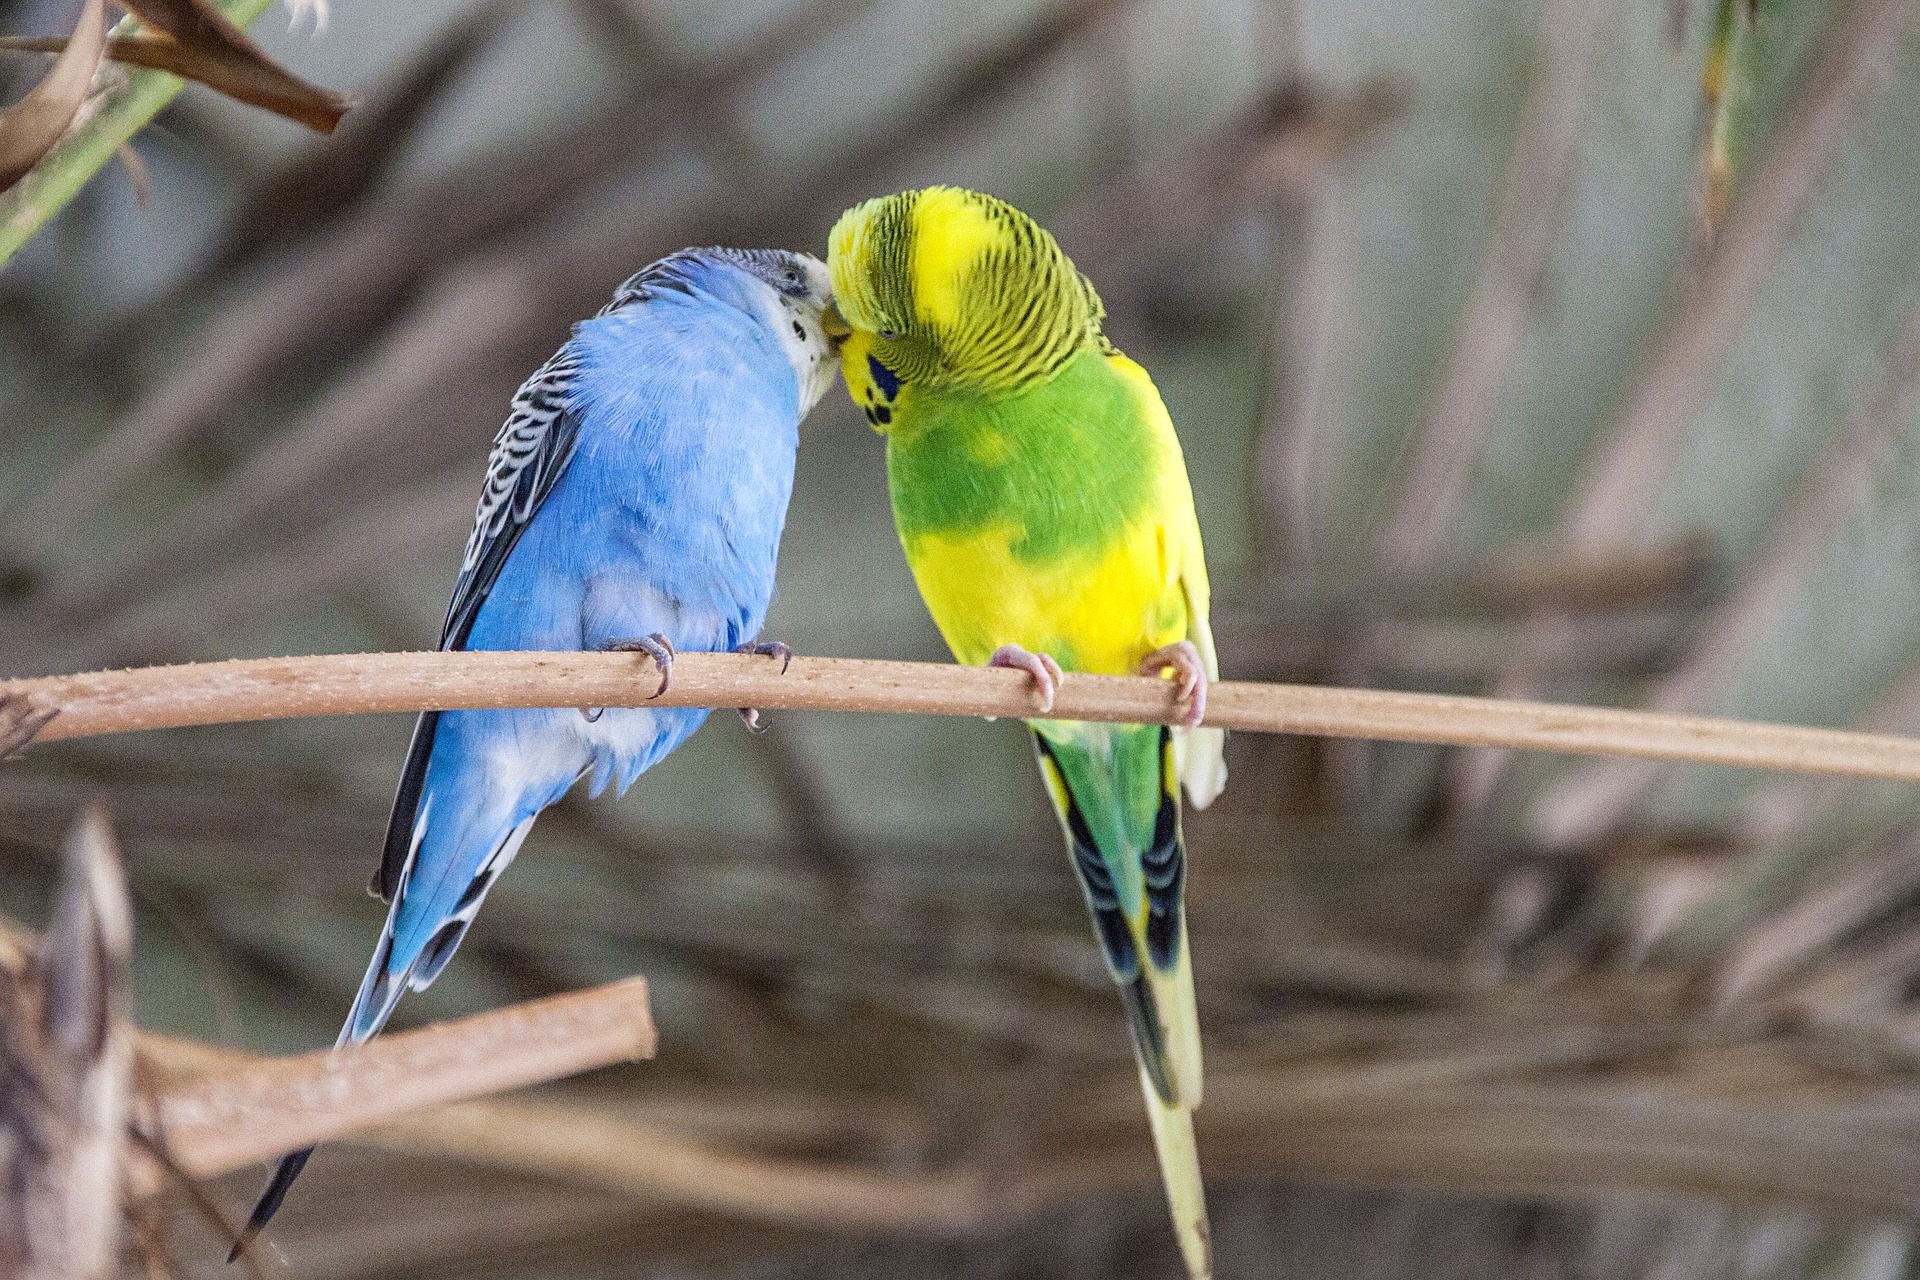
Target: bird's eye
{"x": 793, "y": 277}
{"x": 889, "y": 334}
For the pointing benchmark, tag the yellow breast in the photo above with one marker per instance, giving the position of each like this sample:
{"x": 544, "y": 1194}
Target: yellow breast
{"x": 1101, "y": 611}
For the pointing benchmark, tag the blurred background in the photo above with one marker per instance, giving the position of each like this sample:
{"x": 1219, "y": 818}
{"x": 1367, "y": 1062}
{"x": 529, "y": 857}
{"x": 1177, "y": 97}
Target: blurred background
{"x": 1510, "y": 357}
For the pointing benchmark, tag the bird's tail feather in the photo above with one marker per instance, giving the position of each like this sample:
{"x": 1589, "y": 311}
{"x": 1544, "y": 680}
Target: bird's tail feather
{"x": 271, "y": 1197}
{"x": 380, "y": 989}
{"x": 1146, "y": 949}
{"x": 391, "y": 974}
{"x": 1180, "y": 1171}
{"x": 380, "y": 992}
{"x": 1200, "y": 754}
{"x": 1201, "y": 757}
{"x": 1165, "y": 1022}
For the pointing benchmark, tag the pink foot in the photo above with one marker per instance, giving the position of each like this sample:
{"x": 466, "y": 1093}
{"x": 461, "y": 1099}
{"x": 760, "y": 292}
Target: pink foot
{"x": 1041, "y": 666}
{"x": 1189, "y": 677}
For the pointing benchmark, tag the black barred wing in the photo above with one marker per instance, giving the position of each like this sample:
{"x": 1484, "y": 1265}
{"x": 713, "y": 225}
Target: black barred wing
{"x": 529, "y": 455}
{"x": 532, "y": 449}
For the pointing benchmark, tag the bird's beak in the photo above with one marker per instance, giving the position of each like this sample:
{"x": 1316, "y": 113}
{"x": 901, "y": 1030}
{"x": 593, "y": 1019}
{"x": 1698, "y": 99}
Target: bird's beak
{"x": 835, "y": 325}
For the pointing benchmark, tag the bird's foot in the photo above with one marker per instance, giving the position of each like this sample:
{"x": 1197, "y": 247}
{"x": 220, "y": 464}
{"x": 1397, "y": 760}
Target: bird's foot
{"x": 750, "y": 716}
{"x": 1189, "y": 677}
{"x": 1045, "y": 671}
{"x": 656, "y": 647}
{"x": 769, "y": 649}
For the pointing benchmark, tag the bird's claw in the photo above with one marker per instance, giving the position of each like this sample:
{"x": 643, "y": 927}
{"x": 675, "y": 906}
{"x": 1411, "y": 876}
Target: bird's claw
{"x": 1045, "y": 671}
{"x": 1190, "y": 678}
{"x": 750, "y": 716}
{"x": 769, "y": 649}
{"x": 656, "y": 647}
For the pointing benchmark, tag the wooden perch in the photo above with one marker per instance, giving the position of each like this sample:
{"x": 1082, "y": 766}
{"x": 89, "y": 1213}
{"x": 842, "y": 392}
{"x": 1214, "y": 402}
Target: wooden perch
{"x": 244, "y": 1110}
{"x": 343, "y": 684}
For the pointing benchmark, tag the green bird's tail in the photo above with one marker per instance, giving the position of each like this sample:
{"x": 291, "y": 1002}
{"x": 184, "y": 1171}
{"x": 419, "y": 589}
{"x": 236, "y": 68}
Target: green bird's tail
{"x": 1116, "y": 791}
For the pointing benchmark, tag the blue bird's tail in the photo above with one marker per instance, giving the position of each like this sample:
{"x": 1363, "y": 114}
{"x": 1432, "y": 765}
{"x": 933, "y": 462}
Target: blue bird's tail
{"x": 448, "y": 870}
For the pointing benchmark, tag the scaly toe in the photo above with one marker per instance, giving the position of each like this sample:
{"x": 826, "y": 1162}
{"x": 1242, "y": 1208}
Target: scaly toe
{"x": 769, "y": 649}
{"x": 1046, "y": 672}
{"x": 1190, "y": 680}
{"x": 762, "y": 649}
{"x": 1196, "y": 706}
{"x": 655, "y": 646}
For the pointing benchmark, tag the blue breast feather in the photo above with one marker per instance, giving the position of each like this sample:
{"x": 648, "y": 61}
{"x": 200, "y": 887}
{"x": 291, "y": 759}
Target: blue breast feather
{"x": 678, "y": 488}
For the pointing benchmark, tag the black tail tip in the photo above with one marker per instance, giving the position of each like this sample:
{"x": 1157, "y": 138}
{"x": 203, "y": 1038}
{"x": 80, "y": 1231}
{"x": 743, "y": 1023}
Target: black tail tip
{"x": 270, "y": 1199}
{"x": 1149, "y": 1045}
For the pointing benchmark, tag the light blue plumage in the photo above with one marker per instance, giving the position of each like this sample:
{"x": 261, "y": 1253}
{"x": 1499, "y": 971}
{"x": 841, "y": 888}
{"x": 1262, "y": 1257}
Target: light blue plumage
{"x": 635, "y": 495}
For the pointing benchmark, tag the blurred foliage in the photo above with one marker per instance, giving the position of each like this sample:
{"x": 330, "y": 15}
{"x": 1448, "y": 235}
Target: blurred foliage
{"x": 1673, "y": 1037}
{"x": 30, "y": 127}
{"x": 48, "y": 162}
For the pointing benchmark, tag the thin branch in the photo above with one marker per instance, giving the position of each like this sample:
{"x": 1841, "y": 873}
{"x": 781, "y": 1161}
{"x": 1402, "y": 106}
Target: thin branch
{"x": 356, "y": 684}
{"x": 215, "y": 1123}
{"x": 26, "y": 206}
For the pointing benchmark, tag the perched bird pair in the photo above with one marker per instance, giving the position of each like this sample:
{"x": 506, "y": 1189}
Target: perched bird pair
{"x": 635, "y": 499}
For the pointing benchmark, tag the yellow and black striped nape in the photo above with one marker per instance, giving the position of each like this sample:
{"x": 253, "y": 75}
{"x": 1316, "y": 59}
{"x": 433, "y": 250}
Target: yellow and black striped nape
{"x": 960, "y": 289}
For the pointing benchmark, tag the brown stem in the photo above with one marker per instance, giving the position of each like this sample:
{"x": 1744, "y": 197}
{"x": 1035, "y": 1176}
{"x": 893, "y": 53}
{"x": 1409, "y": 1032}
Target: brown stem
{"x": 252, "y": 1110}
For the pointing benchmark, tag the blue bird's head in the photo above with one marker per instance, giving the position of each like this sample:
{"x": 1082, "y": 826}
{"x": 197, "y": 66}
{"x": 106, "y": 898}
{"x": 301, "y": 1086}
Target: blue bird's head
{"x": 788, "y": 292}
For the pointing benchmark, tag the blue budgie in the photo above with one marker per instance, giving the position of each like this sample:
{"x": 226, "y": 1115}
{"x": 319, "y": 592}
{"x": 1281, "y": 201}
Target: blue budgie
{"x": 634, "y": 500}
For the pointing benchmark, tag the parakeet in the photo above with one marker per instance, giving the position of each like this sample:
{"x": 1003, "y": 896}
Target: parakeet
{"x": 1042, "y": 501}
{"x": 633, "y": 501}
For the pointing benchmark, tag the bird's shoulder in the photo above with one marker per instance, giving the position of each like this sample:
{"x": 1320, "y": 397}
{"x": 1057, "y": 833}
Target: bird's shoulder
{"x": 675, "y": 359}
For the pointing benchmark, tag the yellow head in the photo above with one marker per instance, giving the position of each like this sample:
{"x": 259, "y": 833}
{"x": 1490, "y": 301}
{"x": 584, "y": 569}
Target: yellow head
{"x": 956, "y": 290}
